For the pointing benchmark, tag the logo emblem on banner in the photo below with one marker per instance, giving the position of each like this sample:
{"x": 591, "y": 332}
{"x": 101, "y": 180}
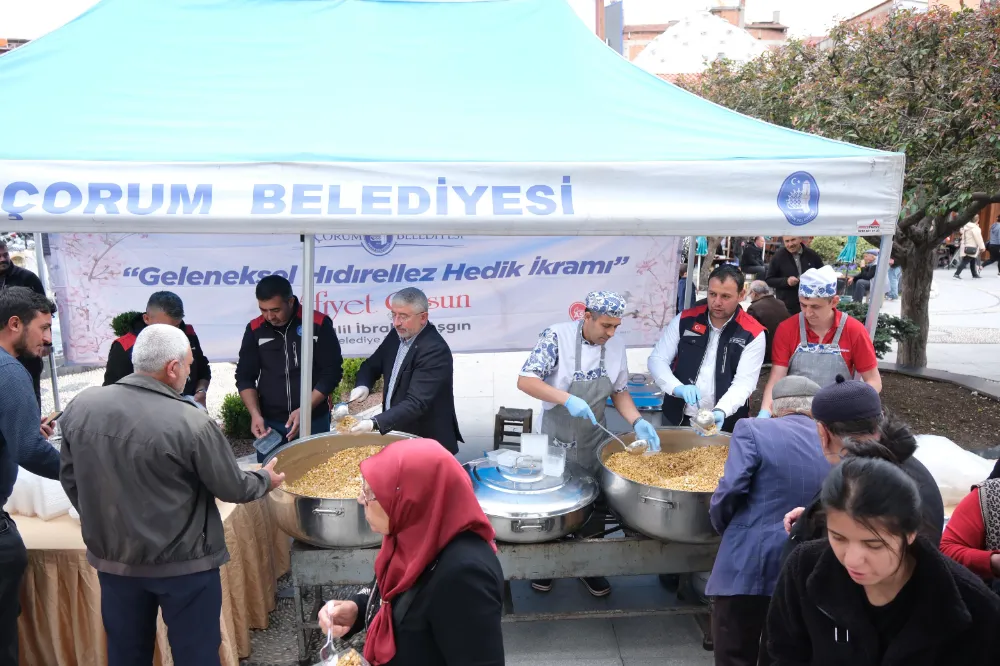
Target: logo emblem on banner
{"x": 798, "y": 198}
{"x": 378, "y": 246}
{"x": 576, "y": 311}
{"x": 869, "y": 227}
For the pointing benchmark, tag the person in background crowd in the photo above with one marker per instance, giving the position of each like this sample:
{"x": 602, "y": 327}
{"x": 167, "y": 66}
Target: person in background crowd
{"x": 15, "y": 276}
{"x": 772, "y": 465}
{"x": 709, "y": 357}
{"x": 972, "y": 535}
{"x": 682, "y": 289}
{"x": 787, "y": 266}
{"x": 850, "y": 421}
{"x": 876, "y": 591}
{"x": 25, "y": 330}
{"x": 821, "y": 342}
{"x": 895, "y": 274}
{"x": 994, "y": 245}
{"x": 417, "y": 366}
{"x": 807, "y": 240}
{"x": 139, "y": 446}
{"x": 862, "y": 282}
{"x": 971, "y": 246}
{"x": 573, "y": 369}
{"x": 437, "y": 597}
{"x": 270, "y": 363}
{"x": 163, "y": 307}
{"x": 768, "y": 310}
{"x": 752, "y": 261}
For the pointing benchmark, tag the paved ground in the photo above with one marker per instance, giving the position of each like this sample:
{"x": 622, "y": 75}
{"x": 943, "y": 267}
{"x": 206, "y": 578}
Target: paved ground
{"x": 965, "y": 339}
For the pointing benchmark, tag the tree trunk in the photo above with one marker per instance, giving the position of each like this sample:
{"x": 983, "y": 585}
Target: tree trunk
{"x": 915, "y": 283}
{"x": 707, "y": 261}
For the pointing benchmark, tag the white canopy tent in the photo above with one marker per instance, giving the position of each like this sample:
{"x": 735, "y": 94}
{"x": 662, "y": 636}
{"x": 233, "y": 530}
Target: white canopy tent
{"x": 184, "y": 116}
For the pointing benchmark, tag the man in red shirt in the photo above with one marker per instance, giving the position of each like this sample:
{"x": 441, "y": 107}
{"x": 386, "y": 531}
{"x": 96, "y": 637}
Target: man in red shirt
{"x": 821, "y": 342}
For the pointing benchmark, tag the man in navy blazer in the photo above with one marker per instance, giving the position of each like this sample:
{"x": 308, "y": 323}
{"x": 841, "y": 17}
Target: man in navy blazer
{"x": 416, "y": 364}
{"x": 773, "y": 466}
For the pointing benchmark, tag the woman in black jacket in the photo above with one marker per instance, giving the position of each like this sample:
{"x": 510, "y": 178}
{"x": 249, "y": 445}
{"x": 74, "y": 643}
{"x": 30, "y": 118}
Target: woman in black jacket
{"x": 875, "y": 593}
{"x": 437, "y": 595}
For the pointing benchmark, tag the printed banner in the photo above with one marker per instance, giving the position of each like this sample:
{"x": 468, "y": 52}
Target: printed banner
{"x": 485, "y": 293}
{"x": 819, "y": 197}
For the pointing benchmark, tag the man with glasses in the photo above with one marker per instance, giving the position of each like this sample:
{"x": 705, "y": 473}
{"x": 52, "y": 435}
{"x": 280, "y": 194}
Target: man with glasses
{"x": 416, "y": 364}
{"x": 270, "y": 364}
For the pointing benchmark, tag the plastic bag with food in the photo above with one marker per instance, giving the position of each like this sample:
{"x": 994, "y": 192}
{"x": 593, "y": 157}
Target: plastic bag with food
{"x": 330, "y": 655}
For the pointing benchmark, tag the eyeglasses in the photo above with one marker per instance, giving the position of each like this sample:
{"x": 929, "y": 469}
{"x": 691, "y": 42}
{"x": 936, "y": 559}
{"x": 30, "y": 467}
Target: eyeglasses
{"x": 366, "y": 496}
{"x": 403, "y": 318}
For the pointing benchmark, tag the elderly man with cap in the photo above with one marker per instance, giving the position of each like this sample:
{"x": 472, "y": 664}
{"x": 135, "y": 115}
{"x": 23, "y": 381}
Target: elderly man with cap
{"x": 709, "y": 356}
{"x": 573, "y": 369}
{"x": 772, "y": 465}
{"x": 768, "y": 310}
{"x": 820, "y": 342}
{"x": 862, "y": 282}
{"x": 850, "y": 421}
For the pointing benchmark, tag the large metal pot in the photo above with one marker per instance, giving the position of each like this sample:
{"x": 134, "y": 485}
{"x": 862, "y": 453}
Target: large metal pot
{"x": 327, "y": 523}
{"x": 525, "y": 506}
{"x": 667, "y": 515}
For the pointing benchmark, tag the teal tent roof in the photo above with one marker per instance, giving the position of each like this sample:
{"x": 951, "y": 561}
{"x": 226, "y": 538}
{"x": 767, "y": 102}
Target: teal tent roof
{"x": 357, "y": 81}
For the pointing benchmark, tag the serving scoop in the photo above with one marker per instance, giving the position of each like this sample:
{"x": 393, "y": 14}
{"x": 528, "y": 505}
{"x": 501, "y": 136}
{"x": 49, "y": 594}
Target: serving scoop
{"x": 636, "y": 448}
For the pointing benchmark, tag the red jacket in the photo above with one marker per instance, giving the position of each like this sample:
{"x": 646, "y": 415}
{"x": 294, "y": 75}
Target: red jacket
{"x": 964, "y": 538}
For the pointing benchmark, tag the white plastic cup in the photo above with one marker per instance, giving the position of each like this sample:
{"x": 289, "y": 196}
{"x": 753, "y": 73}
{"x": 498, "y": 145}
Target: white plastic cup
{"x": 534, "y": 445}
{"x": 554, "y": 461}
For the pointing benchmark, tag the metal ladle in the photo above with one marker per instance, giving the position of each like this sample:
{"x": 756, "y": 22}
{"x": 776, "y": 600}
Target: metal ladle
{"x": 636, "y": 448}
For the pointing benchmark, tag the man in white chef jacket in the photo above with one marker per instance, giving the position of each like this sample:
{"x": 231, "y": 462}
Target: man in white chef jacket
{"x": 709, "y": 356}
{"x": 573, "y": 369}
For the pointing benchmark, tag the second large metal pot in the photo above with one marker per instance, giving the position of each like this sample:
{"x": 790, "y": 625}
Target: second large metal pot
{"x": 327, "y": 523}
{"x": 667, "y": 515}
{"x": 525, "y": 506}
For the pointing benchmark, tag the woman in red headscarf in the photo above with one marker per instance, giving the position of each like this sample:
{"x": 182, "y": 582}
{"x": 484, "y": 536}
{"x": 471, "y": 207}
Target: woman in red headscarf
{"x": 437, "y": 595}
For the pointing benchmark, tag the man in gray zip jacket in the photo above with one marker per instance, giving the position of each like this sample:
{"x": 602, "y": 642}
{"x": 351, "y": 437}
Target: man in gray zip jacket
{"x": 144, "y": 466}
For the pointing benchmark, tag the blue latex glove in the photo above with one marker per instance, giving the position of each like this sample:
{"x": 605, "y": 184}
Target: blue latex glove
{"x": 645, "y": 430}
{"x": 689, "y": 393}
{"x": 579, "y": 407}
{"x": 763, "y": 414}
{"x": 720, "y": 418}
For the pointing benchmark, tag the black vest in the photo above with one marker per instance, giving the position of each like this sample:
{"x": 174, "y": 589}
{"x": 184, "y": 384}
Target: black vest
{"x": 691, "y": 350}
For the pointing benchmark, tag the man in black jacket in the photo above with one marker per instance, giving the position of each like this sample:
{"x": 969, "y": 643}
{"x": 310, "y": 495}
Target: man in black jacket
{"x": 787, "y": 264}
{"x": 862, "y": 282}
{"x": 270, "y": 363}
{"x": 15, "y": 276}
{"x": 163, "y": 307}
{"x": 752, "y": 261}
{"x": 417, "y": 366}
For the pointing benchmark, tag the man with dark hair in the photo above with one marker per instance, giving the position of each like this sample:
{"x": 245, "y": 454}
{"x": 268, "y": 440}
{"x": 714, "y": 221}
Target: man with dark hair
{"x": 709, "y": 356}
{"x": 787, "y": 266}
{"x": 416, "y": 363}
{"x": 270, "y": 363}
{"x": 752, "y": 261}
{"x": 163, "y": 307}
{"x": 15, "y": 276}
{"x": 25, "y": 330}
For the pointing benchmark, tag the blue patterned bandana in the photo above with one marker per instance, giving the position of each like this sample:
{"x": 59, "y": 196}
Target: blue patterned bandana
{"x": 605, "y": 303}
{"x": 818, "y": 283}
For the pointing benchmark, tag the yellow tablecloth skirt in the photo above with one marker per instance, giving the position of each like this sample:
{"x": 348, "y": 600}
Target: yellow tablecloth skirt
{"x": 60, "y": 623}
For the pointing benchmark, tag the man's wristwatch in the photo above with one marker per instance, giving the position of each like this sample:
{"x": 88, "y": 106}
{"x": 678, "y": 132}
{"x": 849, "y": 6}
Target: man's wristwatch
{"x": 375, "y": 425}
{"x": 205, "y": 391}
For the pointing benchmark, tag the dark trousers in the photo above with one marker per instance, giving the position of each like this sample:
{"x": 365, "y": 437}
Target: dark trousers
{"x": 994, "y": 255}
{"x": 969, "y": 261}
{"x": 13, "y": 561}
{"x": 192, "y": 606}
{"x": 739, "y": 630}
{"x": 860, "y": 290}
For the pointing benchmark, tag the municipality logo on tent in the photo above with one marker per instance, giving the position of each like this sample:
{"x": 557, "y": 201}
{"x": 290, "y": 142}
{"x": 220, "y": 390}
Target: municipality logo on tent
{"x": 798, "y": 198}
{"x": 378, "y": 245}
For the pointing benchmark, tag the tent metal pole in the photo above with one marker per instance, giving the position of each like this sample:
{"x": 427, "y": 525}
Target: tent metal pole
{"x": 688, "y": 284}
{"x": 877, "y": 289}
{"x": 306, "y": 381}
{"x": 43, "y": 276}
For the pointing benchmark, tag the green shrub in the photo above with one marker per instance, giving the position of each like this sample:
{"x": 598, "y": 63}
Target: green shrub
{"x": 830, "y": 247}
{"x": 122, "y": 323}
{"x": 235, "y": 417}
{"x": 887, "y": 329}
{"x": 350, "y": 378}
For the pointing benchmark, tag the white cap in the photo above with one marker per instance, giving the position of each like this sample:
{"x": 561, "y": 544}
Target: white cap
{"x": 818, "y": 283}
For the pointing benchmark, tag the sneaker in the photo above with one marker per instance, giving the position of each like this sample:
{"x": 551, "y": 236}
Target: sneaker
{"x": 957, "y": 277}
{"x": 541, "y": 585}
{"x": 597, "y": 586}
